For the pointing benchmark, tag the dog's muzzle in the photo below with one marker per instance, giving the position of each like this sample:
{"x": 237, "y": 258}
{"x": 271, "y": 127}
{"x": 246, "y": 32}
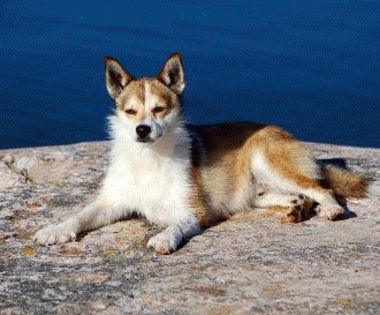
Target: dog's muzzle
{"x": 143, "y": 132}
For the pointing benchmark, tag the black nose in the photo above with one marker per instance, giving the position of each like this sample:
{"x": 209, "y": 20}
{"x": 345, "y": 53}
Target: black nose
{"x": 143, "y": 131}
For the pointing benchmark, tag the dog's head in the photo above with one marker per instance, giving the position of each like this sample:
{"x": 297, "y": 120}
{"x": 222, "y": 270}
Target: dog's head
{"x": 147, "y": 107}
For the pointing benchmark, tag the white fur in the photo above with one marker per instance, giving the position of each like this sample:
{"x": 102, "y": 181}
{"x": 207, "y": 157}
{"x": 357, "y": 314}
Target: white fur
{"x": 267, "y": 177}
{"x": 151, "y": 179}
{"x": 148, "y": 177}
{"x": 275, "y": 199}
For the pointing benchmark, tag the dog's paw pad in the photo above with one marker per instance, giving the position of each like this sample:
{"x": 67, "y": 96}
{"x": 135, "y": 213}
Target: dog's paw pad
{"x": 54, "y": 234}
{"x": 297, "y": 210}
{"x": 295, "y": 215}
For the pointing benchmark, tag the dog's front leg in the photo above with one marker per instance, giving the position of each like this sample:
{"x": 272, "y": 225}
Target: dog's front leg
{"x": 94, "y": 215}
{"x": 173, "y": 236}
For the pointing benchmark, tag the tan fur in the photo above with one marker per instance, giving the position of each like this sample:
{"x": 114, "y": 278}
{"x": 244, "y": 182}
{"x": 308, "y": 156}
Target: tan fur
{"x": 225, "y": 170}
{"x": 345, "y": 184}
{"x": 225, "y": 165}
{"x": 133, "y": 97}
{"x": 287, "y": 156}
{"x": 196, "y": 202}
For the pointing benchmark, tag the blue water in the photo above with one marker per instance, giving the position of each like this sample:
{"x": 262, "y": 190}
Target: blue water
{"x": 312, "y": 67}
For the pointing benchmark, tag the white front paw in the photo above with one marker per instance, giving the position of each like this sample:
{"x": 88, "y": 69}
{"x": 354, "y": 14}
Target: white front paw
{"x": 165, "y": 242}
{"x": 53, "y": 234}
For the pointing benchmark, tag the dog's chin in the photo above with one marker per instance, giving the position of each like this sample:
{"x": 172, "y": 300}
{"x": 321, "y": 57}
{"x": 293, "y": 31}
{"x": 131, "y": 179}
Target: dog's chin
{"x": 145, "y": 140}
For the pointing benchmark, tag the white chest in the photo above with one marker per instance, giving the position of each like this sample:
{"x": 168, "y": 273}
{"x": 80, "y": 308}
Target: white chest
{"x": 155, "y": 187}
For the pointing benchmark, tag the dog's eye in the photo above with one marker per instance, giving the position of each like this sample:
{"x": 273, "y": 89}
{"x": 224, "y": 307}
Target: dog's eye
{"x": 158, "y": 109}
{"x": 131, "y": 112}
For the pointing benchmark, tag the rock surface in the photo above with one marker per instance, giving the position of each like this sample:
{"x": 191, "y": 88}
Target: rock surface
{"x": 249, "y": 264}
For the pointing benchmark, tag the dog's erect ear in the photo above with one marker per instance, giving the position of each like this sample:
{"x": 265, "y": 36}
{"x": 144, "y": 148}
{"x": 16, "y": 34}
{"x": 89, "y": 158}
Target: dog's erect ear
{"x": 116, "y": 77}
{"x": 172, "y": 74}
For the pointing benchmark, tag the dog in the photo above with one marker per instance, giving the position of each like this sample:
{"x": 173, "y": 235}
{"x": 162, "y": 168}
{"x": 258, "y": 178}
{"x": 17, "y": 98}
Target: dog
{"x": 186, "y": 178}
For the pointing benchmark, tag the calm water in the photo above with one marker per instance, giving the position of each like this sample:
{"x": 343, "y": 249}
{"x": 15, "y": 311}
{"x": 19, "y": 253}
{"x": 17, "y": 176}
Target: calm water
{"x": 312, "y": 67}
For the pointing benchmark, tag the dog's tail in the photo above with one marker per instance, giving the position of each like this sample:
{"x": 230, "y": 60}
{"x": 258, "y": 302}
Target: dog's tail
{"x": 345, "y": 183}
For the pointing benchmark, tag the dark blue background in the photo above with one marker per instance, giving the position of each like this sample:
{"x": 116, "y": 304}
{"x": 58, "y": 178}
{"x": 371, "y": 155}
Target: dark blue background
{"x": 312, "y": 67}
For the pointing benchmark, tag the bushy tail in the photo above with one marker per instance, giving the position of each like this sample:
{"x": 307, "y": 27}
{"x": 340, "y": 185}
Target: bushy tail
{"x": 344, "y": 183}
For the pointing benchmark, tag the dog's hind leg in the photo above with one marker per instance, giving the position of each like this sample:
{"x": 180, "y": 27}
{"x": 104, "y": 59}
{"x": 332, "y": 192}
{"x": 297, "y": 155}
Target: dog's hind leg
{"x": 298, "y": 207}
{"x": 93, "y": 216}
{"x": 286, "y": 166}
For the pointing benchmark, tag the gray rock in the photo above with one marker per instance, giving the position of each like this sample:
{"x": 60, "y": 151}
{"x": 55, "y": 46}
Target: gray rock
{"x": 250, "y": 264}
